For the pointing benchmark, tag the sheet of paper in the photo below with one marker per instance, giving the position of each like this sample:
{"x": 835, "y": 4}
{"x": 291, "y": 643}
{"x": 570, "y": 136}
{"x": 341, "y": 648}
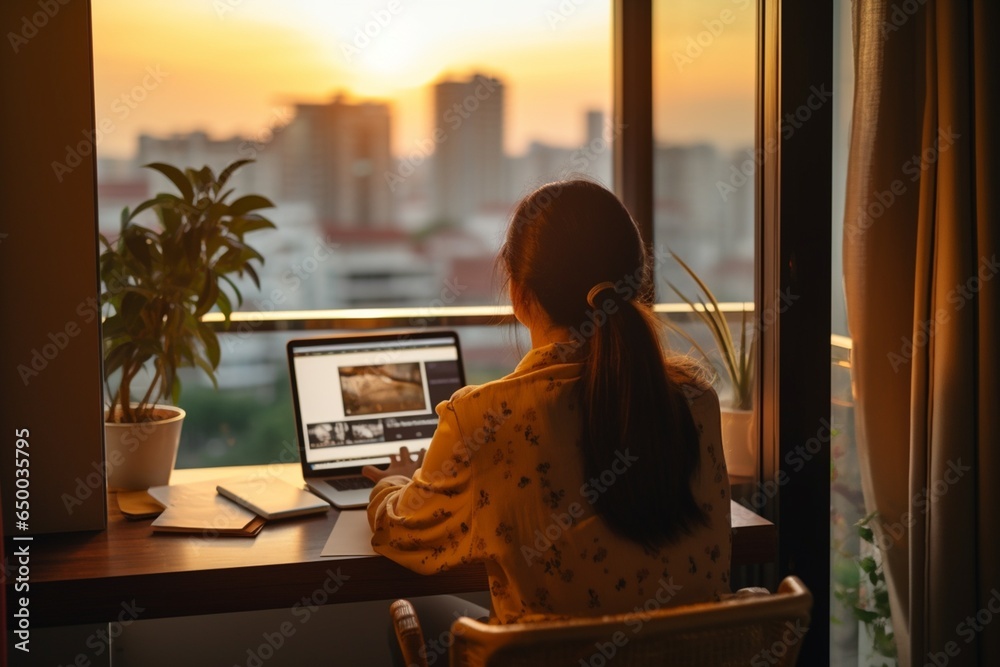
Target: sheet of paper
{"x": 198, "y": 505}
{"x": 351, "y": 535}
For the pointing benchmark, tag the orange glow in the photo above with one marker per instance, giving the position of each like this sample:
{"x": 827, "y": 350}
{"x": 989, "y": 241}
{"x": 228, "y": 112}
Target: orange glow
{"x": 235, "y": 66}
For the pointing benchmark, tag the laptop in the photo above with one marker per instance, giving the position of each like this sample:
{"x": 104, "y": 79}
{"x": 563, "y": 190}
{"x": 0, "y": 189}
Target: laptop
{"x": 359, "y": 397}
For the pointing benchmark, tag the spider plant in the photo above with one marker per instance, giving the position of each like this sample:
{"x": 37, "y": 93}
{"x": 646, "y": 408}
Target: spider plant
{"x": 736, "y": 360}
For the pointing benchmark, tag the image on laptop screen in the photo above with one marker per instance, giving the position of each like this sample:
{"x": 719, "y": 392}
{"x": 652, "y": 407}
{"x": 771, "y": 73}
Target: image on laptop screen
{"x": 359, "y": 398}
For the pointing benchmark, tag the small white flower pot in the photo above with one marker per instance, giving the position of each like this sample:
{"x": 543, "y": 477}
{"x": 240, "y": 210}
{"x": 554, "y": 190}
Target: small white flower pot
{"x": 138, "y": 456}
{"x": 739, "y": 442}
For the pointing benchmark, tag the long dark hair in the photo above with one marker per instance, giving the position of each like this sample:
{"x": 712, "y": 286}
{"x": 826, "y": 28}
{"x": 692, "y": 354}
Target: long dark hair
{"x": 573, "y": 249}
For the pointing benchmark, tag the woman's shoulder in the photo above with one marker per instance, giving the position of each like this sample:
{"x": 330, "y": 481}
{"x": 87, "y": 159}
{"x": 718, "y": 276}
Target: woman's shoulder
{"x": 694, "y": 382}
{"x": 541, "y": 371}
{"x": 701, "y": 396}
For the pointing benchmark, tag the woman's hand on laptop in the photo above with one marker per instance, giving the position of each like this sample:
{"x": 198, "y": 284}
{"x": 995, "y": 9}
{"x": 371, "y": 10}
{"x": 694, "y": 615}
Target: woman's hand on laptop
{"x": 403, "y": 464}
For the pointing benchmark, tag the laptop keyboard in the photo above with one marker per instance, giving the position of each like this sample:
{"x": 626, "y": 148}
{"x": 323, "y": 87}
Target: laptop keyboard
{"x": 350, "y": 483}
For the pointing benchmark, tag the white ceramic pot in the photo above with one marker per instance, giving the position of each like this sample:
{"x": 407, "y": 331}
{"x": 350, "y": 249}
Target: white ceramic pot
{"x": 739, "y": 442}
{"x": 138, "y": 456}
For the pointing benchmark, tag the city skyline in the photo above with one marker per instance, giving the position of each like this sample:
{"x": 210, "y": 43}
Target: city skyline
{"x": 236, "y": 68}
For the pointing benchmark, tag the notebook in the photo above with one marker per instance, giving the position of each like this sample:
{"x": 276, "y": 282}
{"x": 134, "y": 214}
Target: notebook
{"x": 360, "y": 397}
{"x": 272, "y": 498}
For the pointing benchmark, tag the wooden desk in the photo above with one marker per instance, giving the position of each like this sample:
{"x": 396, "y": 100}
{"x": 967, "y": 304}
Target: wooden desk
{"x": 91, "y": 577}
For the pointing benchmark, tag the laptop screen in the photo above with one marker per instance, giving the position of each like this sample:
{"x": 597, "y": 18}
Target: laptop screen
{"x": 359, "y": 398}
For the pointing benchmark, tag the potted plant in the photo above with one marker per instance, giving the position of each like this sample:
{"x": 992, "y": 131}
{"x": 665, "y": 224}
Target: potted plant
{"x": 862, "y": 588}
{"x": 737, "y": 365}
{"x": 158, "y": 281}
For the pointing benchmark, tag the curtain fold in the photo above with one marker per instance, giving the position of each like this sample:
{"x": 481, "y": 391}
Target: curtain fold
{"x": 920, "y": 264}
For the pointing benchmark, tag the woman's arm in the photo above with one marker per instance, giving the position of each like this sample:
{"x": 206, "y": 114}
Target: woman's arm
{"x": 425, "y": 523}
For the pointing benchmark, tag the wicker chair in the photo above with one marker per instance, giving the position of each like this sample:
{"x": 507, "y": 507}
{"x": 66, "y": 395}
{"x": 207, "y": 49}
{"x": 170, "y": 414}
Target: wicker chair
{"x": 752, "y": 627}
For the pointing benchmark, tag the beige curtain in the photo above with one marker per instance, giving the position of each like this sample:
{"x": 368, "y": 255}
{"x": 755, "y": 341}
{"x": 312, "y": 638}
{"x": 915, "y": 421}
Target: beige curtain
{"x": 922, "y": 283}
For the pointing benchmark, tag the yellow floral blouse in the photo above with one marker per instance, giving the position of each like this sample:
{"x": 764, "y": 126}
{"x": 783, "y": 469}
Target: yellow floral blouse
{"x": 502, "y": 482}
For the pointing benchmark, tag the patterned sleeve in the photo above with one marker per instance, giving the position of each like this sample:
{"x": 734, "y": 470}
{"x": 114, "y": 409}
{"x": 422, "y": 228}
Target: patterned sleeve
{"x": 425, "y": 523}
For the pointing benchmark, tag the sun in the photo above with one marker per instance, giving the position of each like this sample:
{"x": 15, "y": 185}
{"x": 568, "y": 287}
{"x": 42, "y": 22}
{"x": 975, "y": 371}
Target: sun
{"x": 380, "y": 60}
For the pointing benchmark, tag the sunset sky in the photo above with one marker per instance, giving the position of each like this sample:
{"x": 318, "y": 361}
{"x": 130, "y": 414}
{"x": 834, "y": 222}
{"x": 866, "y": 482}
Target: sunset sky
{"x": 234, "y": 66}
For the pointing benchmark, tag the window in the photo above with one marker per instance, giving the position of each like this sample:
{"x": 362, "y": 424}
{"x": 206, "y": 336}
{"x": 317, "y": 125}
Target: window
{"x": 394, "y": 139}
{"x": 704, "y": 110}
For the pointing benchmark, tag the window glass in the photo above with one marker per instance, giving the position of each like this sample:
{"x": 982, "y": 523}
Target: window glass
{"x": 704, "y": 164}
{"x": 393, "y": 138}
{"x": 704, "y": 78}
{"x": 859, "y": 610}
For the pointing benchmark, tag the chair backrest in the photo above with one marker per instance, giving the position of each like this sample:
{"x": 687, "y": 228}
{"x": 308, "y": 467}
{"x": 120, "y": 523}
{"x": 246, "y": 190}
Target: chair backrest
{"x": 746, "y": 629}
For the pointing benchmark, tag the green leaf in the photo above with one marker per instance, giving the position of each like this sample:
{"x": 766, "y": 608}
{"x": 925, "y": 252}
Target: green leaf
{"x": 209, "y": 371}
{"x": 250, "y": 223}
{"x": 224, "y": 305}
{"x": 175, "y": 390}
{"x": 212, "y": 350}
{"x": 227, "y": 172}
{"x": 248, "y": 203}
{"x": 139, "y": 247}
{"x": 203, "y": 178}
{"x": 236, "y": 290}
{"x": 253, "y": 276}
{"x": 208, "y": 295}
{"x": 865, "y": 616}
{"x": 176, "y": 177}
{"x": 161, "y": 279}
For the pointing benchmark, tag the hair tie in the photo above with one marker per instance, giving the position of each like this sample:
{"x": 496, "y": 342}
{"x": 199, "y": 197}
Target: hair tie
{"x": 597, "y": 289}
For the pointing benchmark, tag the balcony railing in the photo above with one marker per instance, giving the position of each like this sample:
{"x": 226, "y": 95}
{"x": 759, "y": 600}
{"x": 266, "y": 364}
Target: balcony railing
{"x": 384, "y": 318}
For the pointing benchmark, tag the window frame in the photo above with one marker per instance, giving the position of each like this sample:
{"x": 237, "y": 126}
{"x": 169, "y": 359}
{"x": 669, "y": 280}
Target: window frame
{"x": 793, "y": 196}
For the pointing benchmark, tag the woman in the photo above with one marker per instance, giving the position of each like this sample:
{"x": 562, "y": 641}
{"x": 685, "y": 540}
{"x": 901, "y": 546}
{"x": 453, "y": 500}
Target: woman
{"x": 591, "y": 480}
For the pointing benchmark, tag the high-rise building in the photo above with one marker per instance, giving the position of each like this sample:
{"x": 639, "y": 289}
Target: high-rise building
{"x": 197, "y": 149}
{"x": 468, "y": 164}
{"x": 332, "y": 155}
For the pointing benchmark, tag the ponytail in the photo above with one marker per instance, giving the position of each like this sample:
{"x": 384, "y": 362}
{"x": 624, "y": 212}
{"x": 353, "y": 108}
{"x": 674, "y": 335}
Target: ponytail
{"x": 634, "y": 412}
{"x": 565, "y": 243}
